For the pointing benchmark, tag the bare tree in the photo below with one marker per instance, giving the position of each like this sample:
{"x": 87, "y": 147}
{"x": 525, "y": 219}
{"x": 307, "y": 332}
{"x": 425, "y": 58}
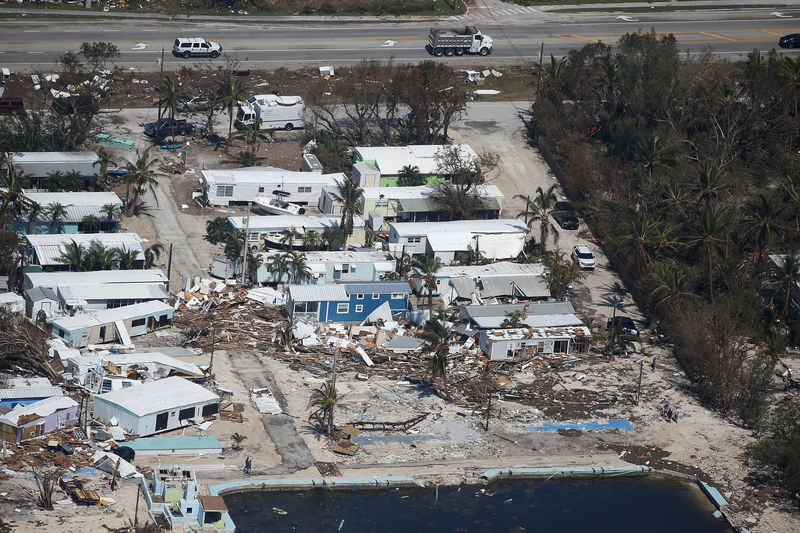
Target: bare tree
{"x": 24, "y": 344}
{"x": 46, "y": 479}
{"x": 463, "y": 174}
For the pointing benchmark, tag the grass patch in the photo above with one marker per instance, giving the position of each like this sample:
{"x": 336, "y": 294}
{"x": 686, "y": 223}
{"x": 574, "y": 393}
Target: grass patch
{"x": 516, "y": 83}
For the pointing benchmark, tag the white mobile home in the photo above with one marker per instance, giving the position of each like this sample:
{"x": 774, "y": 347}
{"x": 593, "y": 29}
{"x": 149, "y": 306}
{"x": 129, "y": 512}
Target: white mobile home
{"x": 78, "y": 205}
{"x": 46, "y": 250}
{"x": 40, "y": 164}
{"x": 102, "y": 277}
{"x": 112, "y": 325}
{"x": 156, "y": 406}
{"x": 449, "y": 241}
{"x": 266, "y": 231}
{"x": 384, "y": 163}
{"x": 503, "y": 344}
{"x": 224, "y": 187}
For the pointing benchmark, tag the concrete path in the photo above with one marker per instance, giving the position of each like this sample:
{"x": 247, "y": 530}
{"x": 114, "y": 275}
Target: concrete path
{"x": 295, "y": 455}
{"x": 161, "y": 208}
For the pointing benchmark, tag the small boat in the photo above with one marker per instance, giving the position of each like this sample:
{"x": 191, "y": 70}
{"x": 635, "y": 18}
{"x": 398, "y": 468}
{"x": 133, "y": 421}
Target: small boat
{"x": 276, "y": 206}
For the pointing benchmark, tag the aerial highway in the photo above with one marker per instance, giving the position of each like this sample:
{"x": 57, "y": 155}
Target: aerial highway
{"x": 35, "y": 42}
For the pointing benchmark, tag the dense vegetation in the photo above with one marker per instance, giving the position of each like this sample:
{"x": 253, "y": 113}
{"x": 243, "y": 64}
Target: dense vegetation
{"x": 688, "y": 170}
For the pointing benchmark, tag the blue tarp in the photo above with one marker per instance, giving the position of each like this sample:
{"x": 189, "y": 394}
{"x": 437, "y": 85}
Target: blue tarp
{"x": 613, "y": 423}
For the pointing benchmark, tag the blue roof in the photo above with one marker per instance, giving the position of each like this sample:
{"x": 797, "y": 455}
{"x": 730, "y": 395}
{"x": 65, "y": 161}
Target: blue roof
{"x": 378, "y": 287}
{"x": 174, "y": 443}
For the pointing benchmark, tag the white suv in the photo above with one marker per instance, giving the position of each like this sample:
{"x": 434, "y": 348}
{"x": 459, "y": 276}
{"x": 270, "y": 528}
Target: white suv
{"x": 583, "y": 256}
{"x": 187, "y": 47}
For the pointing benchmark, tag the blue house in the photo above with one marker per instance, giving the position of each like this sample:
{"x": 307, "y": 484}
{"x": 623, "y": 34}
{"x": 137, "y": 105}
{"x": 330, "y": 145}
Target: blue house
{"x": 347, "y": 302}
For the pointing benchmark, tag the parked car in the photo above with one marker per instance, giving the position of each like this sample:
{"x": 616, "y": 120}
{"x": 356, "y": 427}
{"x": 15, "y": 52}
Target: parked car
{"x": 566, "y": 216}
{"x": 187, "y": 47}
{"x": 583, "y": 257}
{"x": 790, "y": 41}
{"x": 189, "y": 104}
{"x": 625, "y": 323}
{"x": 165, "y": 127}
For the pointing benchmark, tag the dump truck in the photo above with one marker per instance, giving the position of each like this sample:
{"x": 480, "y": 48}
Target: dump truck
{"x": 453, "y": 42}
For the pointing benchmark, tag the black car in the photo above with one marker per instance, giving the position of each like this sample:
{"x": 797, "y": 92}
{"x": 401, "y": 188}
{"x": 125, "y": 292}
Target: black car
{"x": 166, "y": 126}
{"x": 566, "y": 216}
{"x": 625, "y": 323}
{"x": 790, "y": 41}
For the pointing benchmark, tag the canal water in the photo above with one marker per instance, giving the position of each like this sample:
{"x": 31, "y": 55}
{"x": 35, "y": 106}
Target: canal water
{"x": 650, "y": 505}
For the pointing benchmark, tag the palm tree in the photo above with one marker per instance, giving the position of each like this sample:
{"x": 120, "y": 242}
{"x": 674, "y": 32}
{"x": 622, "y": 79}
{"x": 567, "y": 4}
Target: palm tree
{"x": 110, "y": 213}
{"x": 279, "y": 266}
{"x": 141, "y": 176}
{"x": 253, "y": 135}
{"x": 13, "y": 201}
{"x": 238, "y": 439}
{"x": 556, "y": 69}
{"x": 126, "y": 258}
{"x": 789, "y": 71}
{"x": 74, "y": 181}
{"x": 710, "y": 183}
{"x": 56, "y": 211}
{"x": 652, "y": 153}
{"x": 217, "y": 230}
{"x": 90, "y": 224}
{"x": 254, "y": 262}
{"x": 323, "y": 404}
{"x": 298, "y": 266}
{"x": 105, "y": 159}
{"x": 230, "y": 92}
{"x": 563, "y": 272}
{"x": 788, "y": 273}
{"x": 74, "y": 255}
{"x": 334, "y": 238}
{"x": 410, "y": 176}
{"x": 93, "y": 254}
{"x": 169, "y": 95}
{"x": 152, "y": 253}
{"x": 427, "y": 269}
{"x": 312, "y": 240}
{"x": 54, "y": 180}
{"x": 670, "y": 284}
{"x": 760, "y": 217}
{"x": 348, "y": 193}
{"x": 437, "y": 334}
{"x": 636, "y": 237}
{"x": 234, "y": 244}
{"x": 710, "y": 238}
{"x": 541, "y": 208}
{"x": 288, "y": 237}
{"x": 34, "y": 210}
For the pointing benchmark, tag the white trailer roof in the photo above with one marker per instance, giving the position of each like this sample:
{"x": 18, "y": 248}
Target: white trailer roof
{"x": 390, "y": 160}
{"x": 108, "y": 316}
{"x": 475, "y": 227}
{"x": 157, "y": 396}
{"x": 100, "y": 277}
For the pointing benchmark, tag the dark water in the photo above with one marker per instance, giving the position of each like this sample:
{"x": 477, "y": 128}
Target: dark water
{"x": 618, "y": 505}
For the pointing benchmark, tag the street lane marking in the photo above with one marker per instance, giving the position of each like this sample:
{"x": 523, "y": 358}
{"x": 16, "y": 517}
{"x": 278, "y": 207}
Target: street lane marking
{"x": 717, "y": 36}
{"x": 772, "y": 33}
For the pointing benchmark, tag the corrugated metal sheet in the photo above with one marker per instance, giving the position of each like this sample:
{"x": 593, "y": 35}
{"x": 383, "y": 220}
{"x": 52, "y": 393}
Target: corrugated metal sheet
{"x": 127, "y": 291}
{"x": 377, "y": 287}
{"x": 30, "y": 392}
{"x": 48, "y": 255}
{"x": 317, "y": 293}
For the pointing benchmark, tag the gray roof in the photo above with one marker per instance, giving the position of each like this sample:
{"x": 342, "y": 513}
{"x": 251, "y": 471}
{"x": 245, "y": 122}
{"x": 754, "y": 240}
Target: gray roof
{"x": 424, "y": 205}
{"x": 317, "y": 293}
{"x": 126, "y": 291}
{"x": 403, "y": 342}
{"x": 378, "y": 287}
{"x": 108, "y": 316}
{"x": 22, "y": 393}
{"x": 41, "y": 293}
{"x": 539, "y": 315}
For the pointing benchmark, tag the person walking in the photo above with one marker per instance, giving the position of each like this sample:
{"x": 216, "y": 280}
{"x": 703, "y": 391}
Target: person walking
{"x": 675, "y": 416}
{"x": 248, "y": 465}
{"x": 653, "y": 364}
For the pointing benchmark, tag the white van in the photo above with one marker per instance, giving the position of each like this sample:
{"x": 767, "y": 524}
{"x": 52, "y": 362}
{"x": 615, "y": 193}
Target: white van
{"x": 187, "y": 47}
{"x": 275, "y": 112}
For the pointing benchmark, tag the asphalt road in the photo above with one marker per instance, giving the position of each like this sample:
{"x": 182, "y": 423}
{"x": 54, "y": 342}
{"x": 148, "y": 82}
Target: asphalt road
{"x": 26, "y": 43}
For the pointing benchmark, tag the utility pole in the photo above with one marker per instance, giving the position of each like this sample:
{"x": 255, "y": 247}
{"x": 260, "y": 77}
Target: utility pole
{"x": 160, "y": 80}
{"x": 169, "y": 265}
{"x": 136, "y": 512}
{"x": 488, "y": 395}
{"x": 213, "y": 342}
{"x": 639, "y": 387}
{"x": 539, "y": 76}
{"x": 246, "y": 245}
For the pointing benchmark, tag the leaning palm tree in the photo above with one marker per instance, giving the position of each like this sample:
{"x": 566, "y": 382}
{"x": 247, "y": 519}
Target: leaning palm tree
{"x": 323, "y": 405}
{"x": 761, "y": 217}
{"x": 349, "y": 193}
{"x": 141, "y": 176}
{"x": 636, "y": 236}
{"x": 13, "y": 202}
{"x": 437, "y": 334}
{"x": 152, "y": 253}
{"x": 540, "y": 208}
{"x": 110, "y": 213}
{"x": 427, "y": 269}
{"x": 710, "y": 239}
{"x": 105, "y": 159}
{"x": 90, "y": 224}
{"x": 74, "y": 255}
{"x": 169, "y": 95}
{"x": 56, "y": 212}
{"x": 230, "y": 91}
{"x": 253, "y": 135}
{"x": 788, "y": 273}
{"x": 670, "y": 284}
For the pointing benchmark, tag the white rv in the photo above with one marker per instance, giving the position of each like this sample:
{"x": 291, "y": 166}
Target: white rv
{"x": 275, "y": 112}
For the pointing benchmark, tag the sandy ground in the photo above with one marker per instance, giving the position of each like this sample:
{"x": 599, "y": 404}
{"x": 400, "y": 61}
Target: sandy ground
{"x": 451, "y": 445}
